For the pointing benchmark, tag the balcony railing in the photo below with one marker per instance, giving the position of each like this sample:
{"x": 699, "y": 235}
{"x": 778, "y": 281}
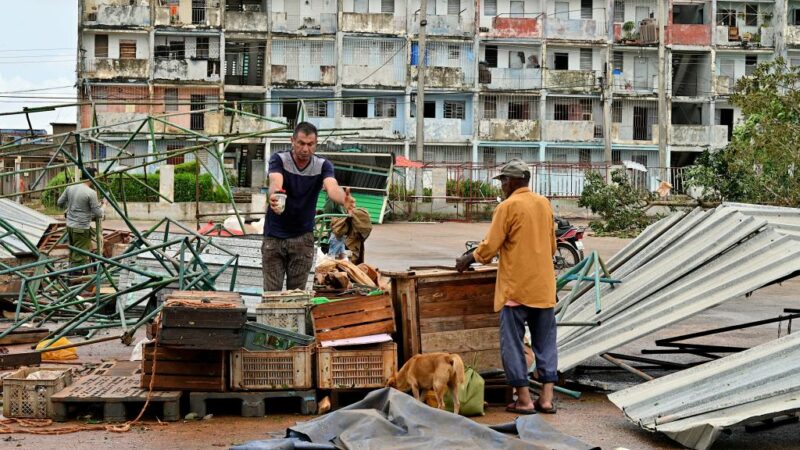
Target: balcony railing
{"x": 575, "y": 29}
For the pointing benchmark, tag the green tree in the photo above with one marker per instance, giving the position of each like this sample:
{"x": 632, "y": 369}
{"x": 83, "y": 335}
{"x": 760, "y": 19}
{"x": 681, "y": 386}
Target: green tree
{"x": 760, "y": 164}
{"x": 620, "y": 205}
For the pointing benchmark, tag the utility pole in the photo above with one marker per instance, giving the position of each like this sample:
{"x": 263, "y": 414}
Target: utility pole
{"x": 663, "y": 129}
{"x": 421, "y": 67}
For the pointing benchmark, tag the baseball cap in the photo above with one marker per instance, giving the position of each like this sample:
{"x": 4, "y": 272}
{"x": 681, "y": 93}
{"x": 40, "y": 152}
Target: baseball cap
{"x": 515, "y": 168}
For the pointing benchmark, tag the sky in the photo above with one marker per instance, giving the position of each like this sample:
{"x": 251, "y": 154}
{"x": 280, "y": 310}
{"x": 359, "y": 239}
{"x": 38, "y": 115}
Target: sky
{"x": 38, "y": 41}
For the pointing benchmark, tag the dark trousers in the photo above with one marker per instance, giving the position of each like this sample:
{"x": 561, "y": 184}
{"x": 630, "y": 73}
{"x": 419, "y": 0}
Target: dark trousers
{"x": 288, "y": 259}
{"x": 82, "y": 238}
{"x": 542, "y": 324}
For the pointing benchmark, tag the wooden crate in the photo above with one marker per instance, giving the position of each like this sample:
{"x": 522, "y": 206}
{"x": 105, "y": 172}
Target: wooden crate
{"x": 202, "y": 328}
{"x": 185, "y": 369}
{"x": 355, "y": 317}
{"x": 355, "y": 368}
{"x": 446, "y": 311}
{"x": 272, "y": 369}
{"x": 31, "y": 398}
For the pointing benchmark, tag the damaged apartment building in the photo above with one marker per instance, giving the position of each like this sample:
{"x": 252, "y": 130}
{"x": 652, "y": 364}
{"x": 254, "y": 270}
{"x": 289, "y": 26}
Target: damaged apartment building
{"x": 570, "y": 82}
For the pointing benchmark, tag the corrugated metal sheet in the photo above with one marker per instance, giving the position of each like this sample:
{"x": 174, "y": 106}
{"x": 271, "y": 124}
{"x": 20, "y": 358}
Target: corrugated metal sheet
{"x": 32, "y": 224}
{"x": 674, "y": 271}
{"x": 695, "y": 405}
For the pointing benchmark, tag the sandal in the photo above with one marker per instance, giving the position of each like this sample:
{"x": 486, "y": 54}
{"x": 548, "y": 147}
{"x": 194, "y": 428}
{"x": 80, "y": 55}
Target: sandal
{"x": 543, "y": 410}
{"x": 512, "y": 408}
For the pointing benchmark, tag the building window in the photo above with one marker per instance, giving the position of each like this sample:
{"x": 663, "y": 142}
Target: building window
{"x": 174, "y": 160}
{"x": 175, "y": 48}
{"x": 101, "y": 46}
{"x": 616, "y": 157}
{"x": 489, "y": 156}
{"x": 517, "y": 9}
{"x": 619, "y": 62}
{"x": 317, "y": 108}
{"x": 429, "y": 110}
{"x": 585, "y": 156}
{"x": 586, "y": 9}
{"x": 586, "y": 59}
{"x": 561, "y": 61}
{"x": 202, "y": 49}
{"x": 453, "y": 52}
{"x": 726, "y": 17}
{"x": 197, "y": 119}
{"x": 751, "y": 15}
{"x": 490, "y": 107}
{"x": 385, "y": 107}
{"x": 619, "y": 11}
{"x": 355, "y": 108}
{"x": 454, "y": 109}
{"x": 453, "y": 7}
{"x": 170, "y": 100}
{"x": 316, "y": 53}
{"x": 387, "y": 6}
{"x": 490, "y": 8}
{"x": 750, "y": 63}
{"x": 491, "y": 55}
{"x": 518, "y": 110}
{"x": 616, "y": 112}
{"x": 795, "y": 17}
{"x": 127, "y": 49}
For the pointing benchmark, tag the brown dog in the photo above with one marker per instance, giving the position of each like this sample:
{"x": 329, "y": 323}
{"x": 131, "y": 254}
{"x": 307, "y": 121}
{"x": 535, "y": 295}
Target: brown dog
{"x": 431, "y": 371}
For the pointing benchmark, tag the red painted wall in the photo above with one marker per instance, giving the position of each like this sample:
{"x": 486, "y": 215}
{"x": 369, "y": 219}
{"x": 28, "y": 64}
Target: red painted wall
{"x": 688, "y": 34}
{"x": 514, "y": 27}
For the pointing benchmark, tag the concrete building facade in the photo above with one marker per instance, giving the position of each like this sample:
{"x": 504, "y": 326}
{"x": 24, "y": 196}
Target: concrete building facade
{"x": 566, "y": 82}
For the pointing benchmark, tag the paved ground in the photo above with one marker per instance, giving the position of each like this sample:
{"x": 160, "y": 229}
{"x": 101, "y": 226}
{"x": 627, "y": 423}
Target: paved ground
{"x": 398, "y": 246}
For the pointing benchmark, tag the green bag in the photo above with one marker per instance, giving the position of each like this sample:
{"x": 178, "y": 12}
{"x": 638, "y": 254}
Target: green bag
{"x": 470, "y": 394}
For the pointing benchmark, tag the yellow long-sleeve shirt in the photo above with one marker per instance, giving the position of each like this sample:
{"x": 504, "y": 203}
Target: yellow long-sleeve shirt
{"x": 522, "y": 232}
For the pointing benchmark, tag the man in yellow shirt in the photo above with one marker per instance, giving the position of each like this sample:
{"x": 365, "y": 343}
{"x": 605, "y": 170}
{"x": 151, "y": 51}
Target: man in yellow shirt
{"x": 523, "y": 234}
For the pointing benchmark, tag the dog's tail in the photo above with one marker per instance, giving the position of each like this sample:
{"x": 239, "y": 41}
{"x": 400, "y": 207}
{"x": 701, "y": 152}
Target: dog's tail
{"x": 458, "y": 368}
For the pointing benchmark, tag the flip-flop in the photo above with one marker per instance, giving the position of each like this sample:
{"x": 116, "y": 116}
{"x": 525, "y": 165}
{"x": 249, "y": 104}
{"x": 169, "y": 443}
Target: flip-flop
{"x": 543, "y": 410}
{"x": 515, "y": 410}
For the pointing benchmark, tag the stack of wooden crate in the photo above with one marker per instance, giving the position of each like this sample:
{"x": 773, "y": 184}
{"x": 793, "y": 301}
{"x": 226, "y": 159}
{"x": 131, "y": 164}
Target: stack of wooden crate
{"x": 196, "y": 330}
{"x": 345, "y": 331}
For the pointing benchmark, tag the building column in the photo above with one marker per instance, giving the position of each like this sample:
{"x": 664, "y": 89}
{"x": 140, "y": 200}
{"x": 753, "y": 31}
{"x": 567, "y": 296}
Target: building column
{"x": 166, "y": 183}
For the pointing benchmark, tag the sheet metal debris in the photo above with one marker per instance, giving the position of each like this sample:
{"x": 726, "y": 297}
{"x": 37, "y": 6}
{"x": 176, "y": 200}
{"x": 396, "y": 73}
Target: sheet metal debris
{"x": 679, "y": 267}
{"x": 695, "y": 405}
{"x": 28, "y": 222}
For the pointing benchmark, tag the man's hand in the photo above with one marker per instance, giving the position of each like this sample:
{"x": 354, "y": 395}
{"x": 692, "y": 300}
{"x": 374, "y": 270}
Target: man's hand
{"x": 463, "y": 262}
{"x": 349, "y": 201}
{"x": 273, "y": 203}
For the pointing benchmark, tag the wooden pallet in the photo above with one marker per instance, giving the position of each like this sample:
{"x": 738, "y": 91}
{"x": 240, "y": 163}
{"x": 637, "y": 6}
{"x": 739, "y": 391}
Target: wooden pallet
{"x": 253, "y": 403}
{"x": 185, "y": 369}
{"x": 116, "y": 394}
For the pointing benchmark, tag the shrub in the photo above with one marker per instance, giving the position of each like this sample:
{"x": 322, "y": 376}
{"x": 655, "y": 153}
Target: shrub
{"x": 620, "y": 205}
{"x": 50, "y": 196}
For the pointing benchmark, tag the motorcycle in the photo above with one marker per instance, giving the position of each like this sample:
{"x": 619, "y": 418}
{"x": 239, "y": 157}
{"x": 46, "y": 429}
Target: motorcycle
{"x": 569, "y": 246}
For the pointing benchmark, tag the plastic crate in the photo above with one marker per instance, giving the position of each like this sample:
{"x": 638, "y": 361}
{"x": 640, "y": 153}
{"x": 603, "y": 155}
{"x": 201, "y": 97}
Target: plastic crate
{"x": 30, "y": 399}
{"x": 272, "y": 369}
{"x": 261, "y": 337}
{"x": 295, "y": 296}
{"x": 288, "y": 316}
{"x": 364, "y": 367}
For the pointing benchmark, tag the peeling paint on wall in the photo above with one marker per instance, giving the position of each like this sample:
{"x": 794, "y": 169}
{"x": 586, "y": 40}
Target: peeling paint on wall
{"x": 505, "y": 78}
{"x": 118, "y": 117}
{"x": 107, "y": 69}
{"x": 570, "y": 80}
{"x": 253, "y": 21}
{"x": 323, "y": 23}
{"x": 446, "y": 25}
{"x": 383, "y": 76}
{"x": 385, "y": 126}
{"x": 385, "y": 23}
{"x": 118, "y": 14}
{"x": 569, "y": 130}
{"x": 698, "y": 135}
{"x": 183, "y": 69}
{"x": 514, "y": 27}
{"x": 792, "y": 35}
{"x": 438, "y": 130}
{"x": 509, "y": 130}
{"x": 685, "y": 34}
{"x": 441, "y": 76}
{"x": 574, "y": 29}
{"x": 624, "y": 135}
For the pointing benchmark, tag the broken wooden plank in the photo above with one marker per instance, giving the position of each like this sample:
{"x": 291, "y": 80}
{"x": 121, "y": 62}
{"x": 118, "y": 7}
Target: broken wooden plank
{"x": 354, "y": 272}
{"x": 24, "y": 336}
{"x": 14, "y": 360}
{"x": 356, "y": 317}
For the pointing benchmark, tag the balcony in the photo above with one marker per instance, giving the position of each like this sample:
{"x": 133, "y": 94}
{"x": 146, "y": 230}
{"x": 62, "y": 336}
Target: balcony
{"x": 569, "y": 130}
{"x": 645, "y": 33}
{"x": 792, "y": 36}
{"x": 634, "y": 134}
{"x": 123, "y": 122}
{"x": 186, "y": 70}
{"x": 441, "y": 130}
{"x": 575, "y": 29}
{"x": 298, "y": 75}
{"x": 322, "y": 23}
{"x": 506, "y": 78}
{"x": 380, "y": 23}
{"x": 688, "y": 34}
{"x": 247, "y": 124}
{"x": 509, "y": 130}
{"x": 447, "y": 25}
{"x": 116, "y": 13}
{"x": 249, "y": 21}
{"x": 386, "y": 127}
{"x": 745, "y": 36}
{"x": 108, "y": 68}
{"x": 186, "y": 15}
{"x": 570, "y": 80}
{"x": 723, "y": 85}
{"x": 714, "y": 136}
{"x": 442, "y": 77}
{"x": 633, "y": 85}
{"x": 388, "y": 75}
{"x": 514, "y": 27}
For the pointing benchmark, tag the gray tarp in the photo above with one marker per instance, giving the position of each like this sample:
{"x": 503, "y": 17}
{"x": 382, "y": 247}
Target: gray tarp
{"x": 389, "y": 419}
